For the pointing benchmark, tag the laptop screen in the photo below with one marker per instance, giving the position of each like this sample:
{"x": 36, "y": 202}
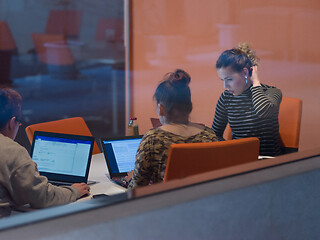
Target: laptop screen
{"x": 120, "y": 154}
{"x": 62, "y": 155}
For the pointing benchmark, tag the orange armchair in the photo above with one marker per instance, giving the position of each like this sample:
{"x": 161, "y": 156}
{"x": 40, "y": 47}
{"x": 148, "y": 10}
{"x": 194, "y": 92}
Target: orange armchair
{"x": 188, "y": 159}
{"x": 7, "y": 41}
{"x": 60, "y": 55}
{"x": 289, "y": 124}
{"x": 75, "y": 125}
{"x": 65, "y": 22}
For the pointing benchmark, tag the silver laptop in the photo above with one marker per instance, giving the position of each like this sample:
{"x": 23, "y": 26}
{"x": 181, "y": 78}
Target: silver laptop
{"x": 63, "y": 158}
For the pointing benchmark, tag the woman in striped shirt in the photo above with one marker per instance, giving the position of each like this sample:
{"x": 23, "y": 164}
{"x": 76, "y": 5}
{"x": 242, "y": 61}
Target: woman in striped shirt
{"x": 250, "y": 108}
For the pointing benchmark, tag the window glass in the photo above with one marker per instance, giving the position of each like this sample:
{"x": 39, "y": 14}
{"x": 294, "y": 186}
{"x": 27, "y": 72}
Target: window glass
{"x": 189, "y": 34}
{"x": 66, "y": 59}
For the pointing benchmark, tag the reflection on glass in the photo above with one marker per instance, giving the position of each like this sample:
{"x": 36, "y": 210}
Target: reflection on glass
{"x": 191, "y": 35}
{"x": 66, "y": 58}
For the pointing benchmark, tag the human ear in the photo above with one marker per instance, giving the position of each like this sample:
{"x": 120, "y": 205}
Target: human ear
{"x": 162, "y": 111}
{"x": 245, "y": 72}
{"x": 12, "y": 123}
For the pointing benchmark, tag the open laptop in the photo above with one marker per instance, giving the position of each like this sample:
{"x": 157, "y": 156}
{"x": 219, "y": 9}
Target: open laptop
{"x": 63, "y": 158}
{"x": 120, "y": 155}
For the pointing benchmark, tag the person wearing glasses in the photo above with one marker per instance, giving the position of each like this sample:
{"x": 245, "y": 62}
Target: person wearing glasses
{"x": 250, "y": 107}
{"x": 20, "y": 182}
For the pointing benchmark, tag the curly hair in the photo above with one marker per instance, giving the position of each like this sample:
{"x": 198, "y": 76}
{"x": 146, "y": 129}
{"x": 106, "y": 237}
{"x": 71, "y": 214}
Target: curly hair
{"x": 238, "y": 58}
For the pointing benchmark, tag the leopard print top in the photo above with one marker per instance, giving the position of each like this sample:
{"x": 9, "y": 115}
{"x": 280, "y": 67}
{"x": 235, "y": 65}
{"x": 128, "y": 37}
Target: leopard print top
{"x": 153, "y": 152}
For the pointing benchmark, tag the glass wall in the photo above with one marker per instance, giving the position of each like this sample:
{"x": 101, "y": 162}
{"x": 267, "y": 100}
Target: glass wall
{"x": 66, "y": 59}
{"x": 192, "y": 34}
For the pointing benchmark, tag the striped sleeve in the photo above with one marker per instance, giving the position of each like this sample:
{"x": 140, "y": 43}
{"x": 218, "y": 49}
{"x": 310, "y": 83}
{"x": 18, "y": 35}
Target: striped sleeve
{"x": 220, "y": 118}
{"x": 266, "y": 103}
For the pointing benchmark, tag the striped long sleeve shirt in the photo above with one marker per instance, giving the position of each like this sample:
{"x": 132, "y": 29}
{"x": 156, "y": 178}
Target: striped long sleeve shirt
{"x": 254, "y": 113}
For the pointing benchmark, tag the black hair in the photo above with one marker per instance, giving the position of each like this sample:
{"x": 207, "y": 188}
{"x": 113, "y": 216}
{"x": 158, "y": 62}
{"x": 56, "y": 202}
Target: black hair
{"x": 10, "y": 106}
{"x": 174, "y": 94}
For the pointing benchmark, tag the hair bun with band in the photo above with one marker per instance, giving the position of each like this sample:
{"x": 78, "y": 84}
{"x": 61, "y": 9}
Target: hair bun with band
{"x": 246, "y": 49}
{"x": 175, "y": 96}
{"x": 178, "y": 77}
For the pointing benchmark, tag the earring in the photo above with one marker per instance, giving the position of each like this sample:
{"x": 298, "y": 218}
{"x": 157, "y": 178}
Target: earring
{"x": 246, "y": 79}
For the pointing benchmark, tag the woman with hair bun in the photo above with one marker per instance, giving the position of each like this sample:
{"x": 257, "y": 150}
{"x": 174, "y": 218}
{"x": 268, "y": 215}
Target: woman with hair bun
{"x": 250, "y": 108}
{"x": 174, "y": 106}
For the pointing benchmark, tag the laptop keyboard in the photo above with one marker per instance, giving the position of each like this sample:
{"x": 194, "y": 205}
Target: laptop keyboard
{"x": 120, "y": 181}
{"x": 57, "y": 183}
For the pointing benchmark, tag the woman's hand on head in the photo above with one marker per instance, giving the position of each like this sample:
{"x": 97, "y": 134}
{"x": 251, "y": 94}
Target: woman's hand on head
{"x": 254, "y": 77}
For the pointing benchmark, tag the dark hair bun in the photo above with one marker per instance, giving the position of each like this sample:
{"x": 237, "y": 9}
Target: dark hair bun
{"x": 175, "y": 96}
{"x": 178, "y": 77}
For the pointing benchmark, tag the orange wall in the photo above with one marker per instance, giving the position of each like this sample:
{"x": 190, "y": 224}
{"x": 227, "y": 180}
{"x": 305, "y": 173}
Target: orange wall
{"x": 188, "y": 34}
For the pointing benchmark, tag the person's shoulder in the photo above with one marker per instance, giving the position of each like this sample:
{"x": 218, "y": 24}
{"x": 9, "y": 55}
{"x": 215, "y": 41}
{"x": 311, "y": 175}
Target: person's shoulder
{"x": 7, "y": 144}
{"x": 154, "y": 139}
{"x": 271, "y": 89}
{"x": 152, "y": 134}
{"x": 208, "y": 133}
{"x": 209, "y": 130}
{"x": 268, "y": 87}
{"x": 12, "y": 153}
{"x": 197, "y": 125}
